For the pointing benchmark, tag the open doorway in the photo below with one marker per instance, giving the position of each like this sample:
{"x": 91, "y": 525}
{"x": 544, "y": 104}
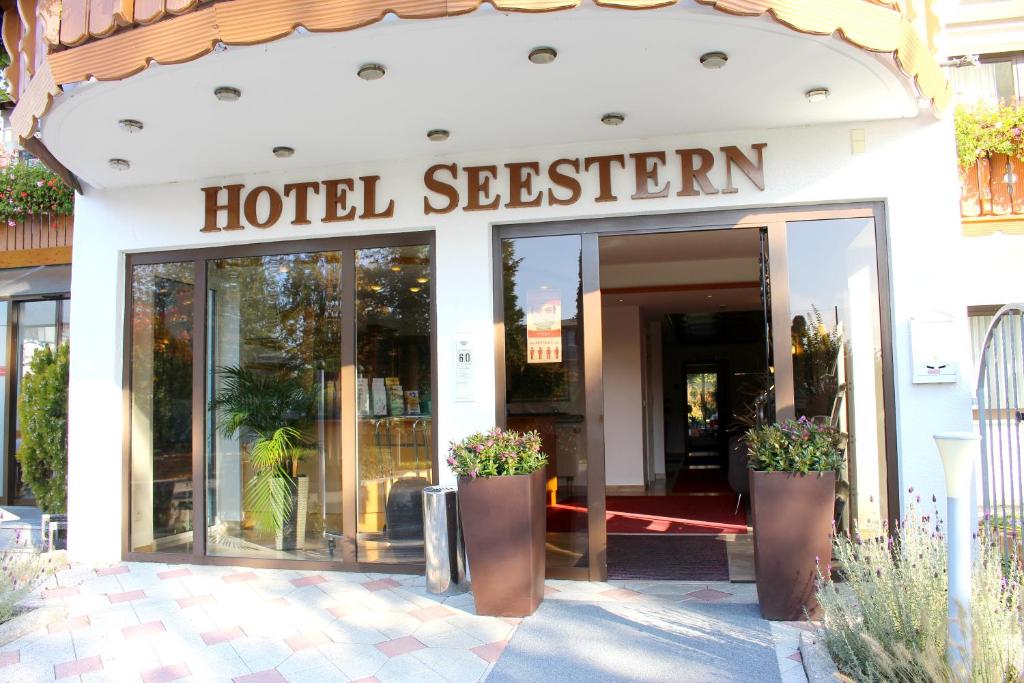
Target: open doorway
{"x": 686, "y": 372}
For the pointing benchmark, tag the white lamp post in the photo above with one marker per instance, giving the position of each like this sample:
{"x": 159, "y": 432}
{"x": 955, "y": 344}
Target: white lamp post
{"x": 959, "y": 452}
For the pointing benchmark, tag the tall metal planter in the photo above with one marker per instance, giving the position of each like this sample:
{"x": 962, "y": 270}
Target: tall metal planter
{"x": 503, "y": 525}
{"x": 793, "y": 515}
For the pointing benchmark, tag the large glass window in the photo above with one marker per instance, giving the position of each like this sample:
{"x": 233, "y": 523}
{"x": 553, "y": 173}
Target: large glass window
{"x": 543, "y": 315}
{"x": 837, "y": 353}
{"x": 393, "y": 398}
{"x": 161, "y": 407}
{"x": 273, "y": 441}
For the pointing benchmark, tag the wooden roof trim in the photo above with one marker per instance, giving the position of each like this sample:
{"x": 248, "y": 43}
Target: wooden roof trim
{"x": 862, "y": 23}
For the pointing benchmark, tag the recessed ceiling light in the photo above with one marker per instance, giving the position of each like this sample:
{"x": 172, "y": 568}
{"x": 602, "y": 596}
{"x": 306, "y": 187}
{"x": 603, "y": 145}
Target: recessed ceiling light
{"x": 817, "y": 94}
{"x": 713, "y": 60}
{"x": 543, "y": 55}
{"x": 613, "y": 119}
{"x": 710, "y": 296}
{"x": 371, "y": 72}
{"x": 415, "y": 289}
{"x": 396, "y": 269}
{"x": 423, "y": 280}
{"x": 226, "y": 93}
{"x": 284, "y": 152}
{"x": 130, "y": 125}
{"x": 376, "y": 288}
{"x": 438, "y": 135}
{"x": 119, "y": 164}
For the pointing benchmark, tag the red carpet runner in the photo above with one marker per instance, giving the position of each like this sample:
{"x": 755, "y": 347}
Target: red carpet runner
{"x": 656, "y": 515}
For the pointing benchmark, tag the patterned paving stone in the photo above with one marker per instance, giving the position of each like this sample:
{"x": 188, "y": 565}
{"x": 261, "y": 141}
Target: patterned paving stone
{"x": 68, "y": 624}
{"x": 221, "y": 636}
{"x": 174, "y": 573}
{"x": 399, "y": 646}
{"x": 268, "y": 676}
{"x": 196, "y": 600}
{"x": 380, "y": 584}
{"x": 240, "y": 577}
{"x": 431, "y": 613}
{"x": 306, "y": 641}
{"x": 308, "y": 581}
{"x": 59, "y": 592}
{"x": 112, "y": 571}
{"x": 708, "y": 595}
{"x": 126, "y": 596}
{"x": 77, "y": 667}
{"x": 621, "y": 594}
{"x": 9, "y": 658}
{"x": 490, "y": 652}
{"x": 143, "y": 630}
{"x": 166, "y": 674}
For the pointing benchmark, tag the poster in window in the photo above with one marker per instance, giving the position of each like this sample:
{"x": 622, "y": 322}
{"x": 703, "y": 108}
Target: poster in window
{"x": 543, "y": 326}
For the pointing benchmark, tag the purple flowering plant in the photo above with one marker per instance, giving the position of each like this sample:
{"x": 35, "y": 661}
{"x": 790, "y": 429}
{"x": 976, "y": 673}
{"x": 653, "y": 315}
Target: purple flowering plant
{"x": 796, "y": 446}
{"x": 497, "y": 453}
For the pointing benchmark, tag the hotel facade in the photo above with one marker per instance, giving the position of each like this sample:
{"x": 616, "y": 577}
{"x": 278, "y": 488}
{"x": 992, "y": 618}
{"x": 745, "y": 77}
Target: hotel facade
{"x": 387, "y": 226}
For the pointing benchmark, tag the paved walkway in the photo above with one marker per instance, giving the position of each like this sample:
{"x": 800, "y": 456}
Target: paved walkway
{"x": 158, "y": 623}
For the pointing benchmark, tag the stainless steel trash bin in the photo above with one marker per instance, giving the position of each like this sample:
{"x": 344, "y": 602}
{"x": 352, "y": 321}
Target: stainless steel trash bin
{"x": 442, "y": 536}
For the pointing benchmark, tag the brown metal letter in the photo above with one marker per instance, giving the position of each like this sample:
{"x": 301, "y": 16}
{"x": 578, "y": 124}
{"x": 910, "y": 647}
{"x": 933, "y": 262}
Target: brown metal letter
{"x": 564, "y": 180}
{"x": 478, "y": 187}
{"x": 699, "y": 174}
{"x": 233, "y": 207}
{"x": 301, "y": 191}
{"x": 370, "y": 199}
{"x": 520, "y": 182}
{"x": 604, "y": 174}
{"x": 253, "y": 198}
{"x": 647, "y": 175}
{"x": 755, "y": 174}
{"x": 336, "y": 199}
{"x": 441, "y": 188}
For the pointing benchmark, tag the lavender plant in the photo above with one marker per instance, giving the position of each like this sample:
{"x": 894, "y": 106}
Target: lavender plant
{"x": 887, "y": 619}
{"x": 20, "y": 573}
{"x": 497, "y": 453}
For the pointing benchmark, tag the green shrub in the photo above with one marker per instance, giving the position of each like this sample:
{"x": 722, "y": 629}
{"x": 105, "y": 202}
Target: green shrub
{"x": 887, "y": 621}
{"x": 43, "y": 415}
{"x": 795, "y": 446}
{"x": 497, "y": 453}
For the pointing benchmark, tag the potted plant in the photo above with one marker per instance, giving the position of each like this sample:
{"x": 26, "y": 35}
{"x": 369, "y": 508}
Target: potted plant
{"x": 266, "y": 411}
{"x": 501, "y": 505}
{"x": 793, "y": 469}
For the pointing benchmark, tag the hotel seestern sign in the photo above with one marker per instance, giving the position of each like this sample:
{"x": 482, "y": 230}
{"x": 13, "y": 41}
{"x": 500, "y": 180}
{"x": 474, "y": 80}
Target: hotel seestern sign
{"x": 517, "y": 185}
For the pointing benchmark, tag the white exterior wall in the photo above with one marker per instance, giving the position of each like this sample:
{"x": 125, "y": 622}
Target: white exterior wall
{"x": 908, "y": 164}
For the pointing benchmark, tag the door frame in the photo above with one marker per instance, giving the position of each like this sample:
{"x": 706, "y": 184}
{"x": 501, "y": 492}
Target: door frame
{"x": 347, "y": 556}
{"x": 771, "y": 219}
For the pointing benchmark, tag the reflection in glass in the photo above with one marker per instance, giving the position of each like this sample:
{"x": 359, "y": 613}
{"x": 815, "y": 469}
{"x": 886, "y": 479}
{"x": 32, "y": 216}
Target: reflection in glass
{"x": 543, "y": 314}
{"x": 161, "y": 407}
{"x": 273, "y": 454}
{"x": 3, "y": 391}
{"x": 837, "y": 353}
{"x": 393, "y": 398}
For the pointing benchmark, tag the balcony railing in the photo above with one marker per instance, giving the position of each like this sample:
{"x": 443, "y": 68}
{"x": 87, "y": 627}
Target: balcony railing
{"x": 36, "y": 240}
{"x": 992, "y": 195}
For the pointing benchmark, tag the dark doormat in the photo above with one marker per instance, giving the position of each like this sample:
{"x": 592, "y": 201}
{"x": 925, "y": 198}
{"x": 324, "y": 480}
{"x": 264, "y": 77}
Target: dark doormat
{"x": 667, "y": 558}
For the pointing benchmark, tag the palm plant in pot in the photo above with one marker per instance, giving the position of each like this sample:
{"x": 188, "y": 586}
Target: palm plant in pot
{"x": 793, "y": 468}
{"x": 266, "y": 412}
{"x": 501, "y": 506}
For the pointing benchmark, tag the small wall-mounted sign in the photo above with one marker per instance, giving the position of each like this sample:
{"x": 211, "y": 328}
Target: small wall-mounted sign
{"x": 464, "y": 369}
{"x": 933, "y": 349}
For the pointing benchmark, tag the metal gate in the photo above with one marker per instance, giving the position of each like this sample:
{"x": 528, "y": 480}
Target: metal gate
{"x": 1000, "y": 390}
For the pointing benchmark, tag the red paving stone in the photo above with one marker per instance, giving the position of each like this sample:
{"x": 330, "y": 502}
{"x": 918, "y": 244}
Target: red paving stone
{"x": 174, "y": 573}
{"x": 238, "y": 578}
{"x": 368, "y": 679}
{"x": 380, "y": 584}
{"x": 165, "y": 674}
{"x": 195, "y": 600}
{"x": 268, "y": 676}
{"x": 491, "y": 651}
{"x": 77, "y": 667}
{"x": 431, "y": 613}
{"x": 620, "y": 594}
{"x": 68, "y": 624}
{"x": 308, "y": 581}
{"x": 143, "y": 630}
{"x": 708, "y": 594}
{"x": 9, "y": 658}
{"x": 221, "y": 636}
{"x": 306, "y": 641}
{"x": 399, "y": 646}
{"x": 60, "y": 592}
{"x": 340, "y": 611}
{"x": 796, "y": 657}
{"x": 548, "y": 590}
{"x": 111, "y": 571}
{"x": 127, "y": 596}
